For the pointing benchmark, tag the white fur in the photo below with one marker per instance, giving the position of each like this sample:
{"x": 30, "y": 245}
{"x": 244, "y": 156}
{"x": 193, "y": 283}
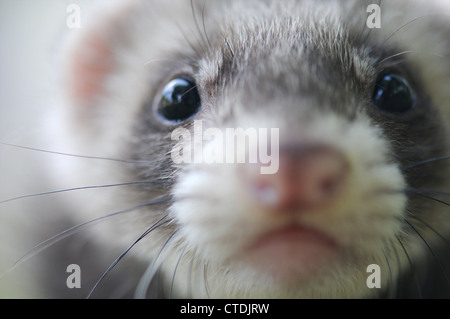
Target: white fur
{"x": 213, "y": 208}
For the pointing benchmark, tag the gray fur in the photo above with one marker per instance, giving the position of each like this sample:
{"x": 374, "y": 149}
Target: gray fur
{"x": 283, "y": 63}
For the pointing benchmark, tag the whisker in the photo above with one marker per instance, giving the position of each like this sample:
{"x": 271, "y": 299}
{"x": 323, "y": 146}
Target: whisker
{"x": 191, "y": 268}
{"x": 407, "y": 52}
{"x": 412, "y": 215}
{"x": 419, "y": 150}
{"x": 427, "y": 191}
{"x": 365, "y": 27}
{"x": 398, "y": 263}
{"x": 175, "y": 271}
{"x": 157, "y": 224}
{"x": 193, "y": 88}
{"x": 392, "y": 286}
{"x": 73, "y": 230}
{"x": 441, "y": 267}
{"x": 423, "y": 194}
{"x": 413, "y": 270}
{"x": 144, "y": 283}
{"x": 203, "y": 24}
{"x": 76, "y": 155}
{"x": 428, "y": 161}
{"x": 404, "y": 26}
{"x": 205, "y": 280}
{"x": 83, "y": 188}
{"x": 194, "y": 15}
{"x": 188, "y": 41}
{"x": 395, "y": 55}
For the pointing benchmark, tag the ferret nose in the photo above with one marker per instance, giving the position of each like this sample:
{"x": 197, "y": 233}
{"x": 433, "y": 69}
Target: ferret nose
{"x": 308, "y": 178}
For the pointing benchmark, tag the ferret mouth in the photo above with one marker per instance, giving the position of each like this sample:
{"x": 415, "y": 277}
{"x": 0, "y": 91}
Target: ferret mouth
{"x": 292, "y": 253}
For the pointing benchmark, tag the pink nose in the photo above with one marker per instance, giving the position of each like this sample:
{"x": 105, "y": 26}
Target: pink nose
{"x": 308, "y": 177}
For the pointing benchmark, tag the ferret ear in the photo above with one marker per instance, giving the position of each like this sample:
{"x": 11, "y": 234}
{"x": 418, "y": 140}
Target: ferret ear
{"x": 89, "y": 56}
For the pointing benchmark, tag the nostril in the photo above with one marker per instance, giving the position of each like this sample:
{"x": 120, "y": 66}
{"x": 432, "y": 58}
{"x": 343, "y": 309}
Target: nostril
{"x": 308, "y": 177}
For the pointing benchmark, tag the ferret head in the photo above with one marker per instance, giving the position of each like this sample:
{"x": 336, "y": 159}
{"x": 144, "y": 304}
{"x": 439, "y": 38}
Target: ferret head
{"x": 334, "y": 130}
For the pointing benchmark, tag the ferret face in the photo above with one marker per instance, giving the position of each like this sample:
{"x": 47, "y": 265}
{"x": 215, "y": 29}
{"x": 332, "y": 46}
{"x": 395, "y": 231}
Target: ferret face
{"x": 352, "y": 112}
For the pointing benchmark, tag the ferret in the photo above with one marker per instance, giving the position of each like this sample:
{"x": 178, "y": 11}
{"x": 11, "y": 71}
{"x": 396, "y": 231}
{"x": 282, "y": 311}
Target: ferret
{"x": 355, "y": 95}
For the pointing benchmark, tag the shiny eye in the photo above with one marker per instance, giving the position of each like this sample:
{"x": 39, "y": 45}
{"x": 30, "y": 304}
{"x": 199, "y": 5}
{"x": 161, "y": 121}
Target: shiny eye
{"x": 180, "y": 100}
{"x": 392, "y": 93}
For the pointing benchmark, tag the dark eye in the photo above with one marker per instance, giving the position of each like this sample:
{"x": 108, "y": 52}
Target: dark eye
{"x": 180, "y": 100}
{"x": 392, "y": 93}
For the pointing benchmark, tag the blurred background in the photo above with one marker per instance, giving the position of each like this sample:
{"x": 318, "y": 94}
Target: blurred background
{"x": 30, "y": 33}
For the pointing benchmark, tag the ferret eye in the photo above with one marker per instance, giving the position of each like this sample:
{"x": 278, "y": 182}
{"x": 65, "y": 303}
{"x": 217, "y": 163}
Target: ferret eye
{"x": 180, "y": 100}
{"x": 392, "y": 93}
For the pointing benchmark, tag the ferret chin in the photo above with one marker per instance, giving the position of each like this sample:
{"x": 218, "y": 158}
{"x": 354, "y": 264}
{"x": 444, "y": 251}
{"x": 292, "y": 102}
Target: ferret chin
{"x": 355, "y": 172}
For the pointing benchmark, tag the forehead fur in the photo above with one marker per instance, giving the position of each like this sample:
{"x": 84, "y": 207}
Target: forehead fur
{"x": 289, "y": 52}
